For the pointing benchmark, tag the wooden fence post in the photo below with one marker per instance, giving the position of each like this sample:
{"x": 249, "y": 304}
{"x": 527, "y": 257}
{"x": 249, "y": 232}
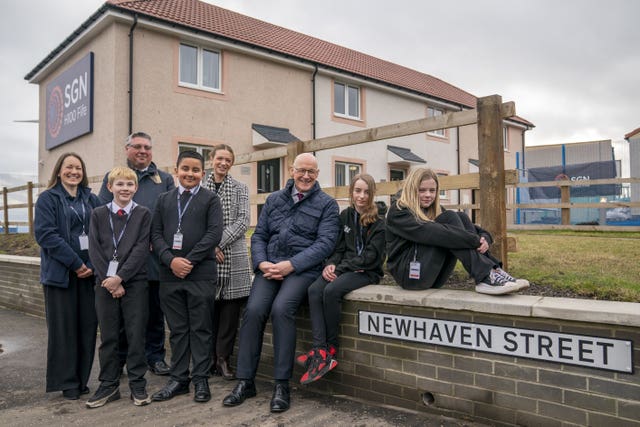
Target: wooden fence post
{"x": 5, "y": 202}
{"x": 30, "y": 207}
{"x": 493, "y": 206}
{"x": 565, "y": 197}
{"x": 293, "y": 149}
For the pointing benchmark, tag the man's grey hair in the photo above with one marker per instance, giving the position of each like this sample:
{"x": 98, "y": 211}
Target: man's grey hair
{"x": 146, "y": 136}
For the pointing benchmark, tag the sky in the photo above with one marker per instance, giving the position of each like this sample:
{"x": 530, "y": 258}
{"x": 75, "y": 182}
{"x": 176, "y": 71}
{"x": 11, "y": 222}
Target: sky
{"x": 570, "y": 66}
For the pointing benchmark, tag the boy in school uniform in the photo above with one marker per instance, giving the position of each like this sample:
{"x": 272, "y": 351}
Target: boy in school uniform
{"x": 118, "y": 249}
{"x": 186, "y": 228}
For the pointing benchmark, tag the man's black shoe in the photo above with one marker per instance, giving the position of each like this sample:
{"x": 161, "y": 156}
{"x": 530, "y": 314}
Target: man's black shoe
{"x": 202, "y": 393}
{"x": 160, "y": 368}
{"x": 171, "y": 390}
{"x": 243, "y": 390}
{"x": 280, "y": 399}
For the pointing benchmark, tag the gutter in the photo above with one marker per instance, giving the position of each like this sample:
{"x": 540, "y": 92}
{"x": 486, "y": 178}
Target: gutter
{"x": 133, "y": 27}
{"x": 313, "y": 100}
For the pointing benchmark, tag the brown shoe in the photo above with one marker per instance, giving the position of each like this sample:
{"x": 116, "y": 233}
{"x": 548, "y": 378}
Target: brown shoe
{"x": 224, "y": 370}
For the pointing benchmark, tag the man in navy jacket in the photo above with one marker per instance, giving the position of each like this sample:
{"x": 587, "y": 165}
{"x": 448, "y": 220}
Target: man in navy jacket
{"x": 297, "y": 229}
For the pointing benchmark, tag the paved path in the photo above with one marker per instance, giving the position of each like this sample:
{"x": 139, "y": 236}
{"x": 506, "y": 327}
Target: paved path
{"x": 24, "y": 403}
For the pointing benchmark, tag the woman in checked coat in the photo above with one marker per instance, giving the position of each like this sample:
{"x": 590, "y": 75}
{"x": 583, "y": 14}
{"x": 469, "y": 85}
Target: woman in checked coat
{"x": 234, "y": 274}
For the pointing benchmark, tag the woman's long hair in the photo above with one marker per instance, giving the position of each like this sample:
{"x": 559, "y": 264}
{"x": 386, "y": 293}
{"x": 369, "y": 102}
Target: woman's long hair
{"x": 410, "y": 197}
{"x": 370, "y": 214}
{"x": 56, "y": 170}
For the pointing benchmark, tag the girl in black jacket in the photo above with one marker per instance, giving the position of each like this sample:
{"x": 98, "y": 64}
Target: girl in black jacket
{"x": 356, "y": 262}
{"x": 424, "y": 242}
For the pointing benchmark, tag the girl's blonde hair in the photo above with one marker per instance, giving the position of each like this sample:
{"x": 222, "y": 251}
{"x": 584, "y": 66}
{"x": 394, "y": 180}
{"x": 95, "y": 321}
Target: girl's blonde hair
{"x": 410, "y": 197}
{"x": 370, "y": 214}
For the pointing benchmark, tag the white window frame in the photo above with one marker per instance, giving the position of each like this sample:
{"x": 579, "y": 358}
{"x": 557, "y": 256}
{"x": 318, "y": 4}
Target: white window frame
{"x": 204, "y": 150}
{"x": 435, "y": 112}
{"x": 199, "y": 69}
{"x": 345, "y": 98}
{"x": 346, "y": 172}
{"x": 505, "y": 138}
{"x": 444, "y": 194}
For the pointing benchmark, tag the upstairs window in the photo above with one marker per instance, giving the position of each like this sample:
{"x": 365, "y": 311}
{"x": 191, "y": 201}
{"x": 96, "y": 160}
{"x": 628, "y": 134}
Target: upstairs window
{"x": 346, "y": 100}
{"x": 435, "y": 112}
{"x": 199, "y": 68}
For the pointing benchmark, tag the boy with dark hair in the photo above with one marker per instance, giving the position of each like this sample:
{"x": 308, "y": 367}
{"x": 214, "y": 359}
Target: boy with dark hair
{"x": 118, "y": 248}
{"x": 186, "y": 228}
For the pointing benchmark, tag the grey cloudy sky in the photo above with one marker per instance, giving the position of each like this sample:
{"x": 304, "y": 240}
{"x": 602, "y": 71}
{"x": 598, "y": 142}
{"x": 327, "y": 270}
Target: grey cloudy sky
{"x": 571, "y": 66}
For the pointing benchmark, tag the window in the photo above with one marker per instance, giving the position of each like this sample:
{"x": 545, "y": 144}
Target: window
{"x": 396, "y": 175}
{"x": 199, "y": 67}
{"x": 505, "y": 138}
{"x": 443, "y": 193}
{"x": 346, "y": 100}
{"x": 435, "y": 112}
{"x": 345, "y": 173}
{"x": 205, "y": 150}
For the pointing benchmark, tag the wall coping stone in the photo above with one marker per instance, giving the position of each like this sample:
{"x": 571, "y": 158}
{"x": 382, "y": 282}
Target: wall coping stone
{"x": 20, "y": 259}
{"x": 581, "y": 310}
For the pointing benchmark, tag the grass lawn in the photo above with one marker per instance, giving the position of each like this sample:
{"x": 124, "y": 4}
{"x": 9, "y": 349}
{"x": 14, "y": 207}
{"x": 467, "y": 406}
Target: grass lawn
{"x": 604, "y": 265}
{"x": 600, "y": 265}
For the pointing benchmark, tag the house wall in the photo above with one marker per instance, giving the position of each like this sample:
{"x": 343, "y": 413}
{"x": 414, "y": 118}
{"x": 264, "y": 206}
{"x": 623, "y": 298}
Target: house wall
{"x": 97, "y": 149}
{"x": 380, "y": 108}
{"x": 459, "y": 382}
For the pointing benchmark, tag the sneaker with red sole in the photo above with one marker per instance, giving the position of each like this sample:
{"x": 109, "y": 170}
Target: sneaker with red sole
{"x": 303, "y": 359}
{"x": 321, "y": 363}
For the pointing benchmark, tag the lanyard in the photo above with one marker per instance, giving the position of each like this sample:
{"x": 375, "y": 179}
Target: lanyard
{"x": 359, "y": 231}
{"x": 182, "y": 211}
{"x": 78, "y": 215}
{"x": 116, "y": 242}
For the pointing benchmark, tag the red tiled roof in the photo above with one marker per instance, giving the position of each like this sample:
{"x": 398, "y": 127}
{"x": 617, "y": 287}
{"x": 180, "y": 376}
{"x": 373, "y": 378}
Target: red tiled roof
{"x": 223, "y": 22}
{"x": 632, "y": 133}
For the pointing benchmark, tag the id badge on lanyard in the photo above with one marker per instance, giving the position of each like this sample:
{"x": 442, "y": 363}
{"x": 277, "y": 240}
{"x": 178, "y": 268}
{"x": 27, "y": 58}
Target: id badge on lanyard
{"x": 414, "y": 266}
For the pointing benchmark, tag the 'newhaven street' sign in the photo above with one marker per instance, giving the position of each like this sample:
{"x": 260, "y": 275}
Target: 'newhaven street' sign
{"x": 594, "y": 352}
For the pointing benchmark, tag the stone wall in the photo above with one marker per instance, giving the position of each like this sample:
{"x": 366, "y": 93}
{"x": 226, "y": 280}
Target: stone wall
{"x": 498, "y": 389}
{"x": 20, "y": 287}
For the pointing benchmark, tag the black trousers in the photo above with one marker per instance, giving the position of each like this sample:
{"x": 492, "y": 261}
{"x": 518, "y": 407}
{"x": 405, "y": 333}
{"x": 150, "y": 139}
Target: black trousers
{"x": 131, "y": 311}
{"x": 437, "y": 263}
{"x": 280, "y": 299}
{"x": 188, "y": 306}
{"x": 155, "y": 333}
{"x": 71, "y": 325}
{"x": 226, "y": 318}
{"x": 325, "y": 302}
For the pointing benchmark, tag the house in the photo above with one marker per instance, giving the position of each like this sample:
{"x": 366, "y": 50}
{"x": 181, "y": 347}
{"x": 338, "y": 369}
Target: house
{"x": 194, "y": 75}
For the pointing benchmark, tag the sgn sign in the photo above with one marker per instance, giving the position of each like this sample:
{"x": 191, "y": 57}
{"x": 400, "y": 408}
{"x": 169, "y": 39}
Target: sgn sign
{"x": 69, "y": 103}
{"x": 581, "y": 350}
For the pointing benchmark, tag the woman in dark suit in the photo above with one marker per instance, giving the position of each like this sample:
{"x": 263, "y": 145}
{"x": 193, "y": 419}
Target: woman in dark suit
{"x": 234, "y": 274}
{"x": 61, "y": 225}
